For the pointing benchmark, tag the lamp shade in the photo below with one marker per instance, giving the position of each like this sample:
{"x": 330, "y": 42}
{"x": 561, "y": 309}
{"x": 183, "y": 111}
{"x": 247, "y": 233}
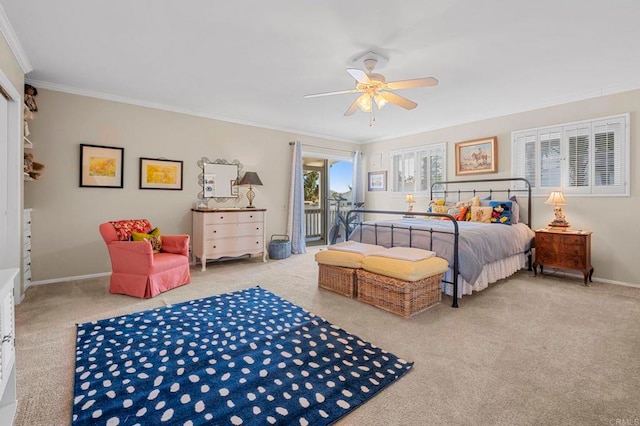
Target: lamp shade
{"x": 250, "y": 178}
{"x": 409, "y": 198}
{"x": 556, "y": 198}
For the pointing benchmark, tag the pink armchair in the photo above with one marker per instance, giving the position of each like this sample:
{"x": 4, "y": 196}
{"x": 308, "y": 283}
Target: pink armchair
{"x": 139, "y": 272}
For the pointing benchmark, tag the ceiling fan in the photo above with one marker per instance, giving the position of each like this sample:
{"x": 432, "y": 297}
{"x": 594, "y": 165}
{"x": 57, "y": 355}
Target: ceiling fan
{"x": 375, "y": 89}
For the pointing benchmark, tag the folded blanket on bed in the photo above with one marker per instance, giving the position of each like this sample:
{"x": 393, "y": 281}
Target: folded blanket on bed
{"x": 410, "y": 254}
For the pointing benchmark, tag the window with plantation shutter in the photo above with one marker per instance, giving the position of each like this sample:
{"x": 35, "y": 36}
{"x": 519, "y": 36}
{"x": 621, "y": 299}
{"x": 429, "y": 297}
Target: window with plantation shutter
{"x": 414, "y": 170}
{"x": 586, "y": 157}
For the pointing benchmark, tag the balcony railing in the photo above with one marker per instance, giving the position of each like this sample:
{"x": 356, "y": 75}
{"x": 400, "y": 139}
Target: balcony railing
{"x": 314, "y": 222}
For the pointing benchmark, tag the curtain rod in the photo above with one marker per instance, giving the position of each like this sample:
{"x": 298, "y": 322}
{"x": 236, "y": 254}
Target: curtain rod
{"x": 323, "y": 147}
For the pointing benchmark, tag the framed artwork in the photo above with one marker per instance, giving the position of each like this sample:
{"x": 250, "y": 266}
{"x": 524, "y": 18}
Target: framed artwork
{"x": 234, "y": 187}
{"x": 377, "y": 181}
{"x": 477, "y": 156}
{"x": 101, "y": 166}
{"x": 160, "y": 173}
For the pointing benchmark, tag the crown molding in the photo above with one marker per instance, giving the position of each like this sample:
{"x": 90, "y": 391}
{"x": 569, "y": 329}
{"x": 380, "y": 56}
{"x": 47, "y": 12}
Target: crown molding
{"x": 14, "y": 44}
{"x": 169, "y": 108}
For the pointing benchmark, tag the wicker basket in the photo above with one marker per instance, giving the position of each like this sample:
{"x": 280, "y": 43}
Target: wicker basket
{"x": 338, "y": 279}
{"x": 404, "y": 298}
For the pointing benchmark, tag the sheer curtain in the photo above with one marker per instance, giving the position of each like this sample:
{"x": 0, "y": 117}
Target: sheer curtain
{"x": 357, "y": 185}
{"x": 295, "y": 220}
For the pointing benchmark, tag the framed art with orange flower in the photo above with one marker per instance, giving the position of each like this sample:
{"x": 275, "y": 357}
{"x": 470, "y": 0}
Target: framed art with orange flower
{"x": 101, "y": 166}
{"x": 160, "y": 173}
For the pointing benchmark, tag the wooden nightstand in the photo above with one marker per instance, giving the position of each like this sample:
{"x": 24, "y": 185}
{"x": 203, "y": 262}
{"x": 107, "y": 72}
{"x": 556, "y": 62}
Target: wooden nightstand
{"x": 565, "y": 250}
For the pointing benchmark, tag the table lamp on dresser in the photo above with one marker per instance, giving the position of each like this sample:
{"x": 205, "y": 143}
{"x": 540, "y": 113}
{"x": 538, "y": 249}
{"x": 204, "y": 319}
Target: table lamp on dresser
{"x": 250, "y": 178}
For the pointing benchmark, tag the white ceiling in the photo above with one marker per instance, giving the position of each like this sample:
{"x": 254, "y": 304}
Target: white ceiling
{"x": 252, "y": 61}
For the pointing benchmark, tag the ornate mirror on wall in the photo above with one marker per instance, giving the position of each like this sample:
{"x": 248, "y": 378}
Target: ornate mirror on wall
{"x": 218, "y": 179}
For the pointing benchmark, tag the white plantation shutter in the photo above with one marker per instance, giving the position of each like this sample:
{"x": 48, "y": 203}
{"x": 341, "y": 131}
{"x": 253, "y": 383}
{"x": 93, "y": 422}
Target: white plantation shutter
{"x": 549, "y": 158}
{"x": 608, "y": 167}
{"x": 587, "y": 158}
{"x": 414, "y": 170}
{"x": 524, "y": 158}
{"x": 578, "y": 165}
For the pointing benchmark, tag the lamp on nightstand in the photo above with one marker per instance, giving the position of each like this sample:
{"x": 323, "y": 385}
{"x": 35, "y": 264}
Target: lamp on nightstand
{"x": 410, "y": 200}
{"x": 250, "y": 178}
{"x": 559, "y": 222}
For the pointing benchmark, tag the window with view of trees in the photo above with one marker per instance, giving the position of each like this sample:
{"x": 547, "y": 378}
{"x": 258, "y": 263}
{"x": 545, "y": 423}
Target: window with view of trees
{"x": 587, "y": 157}
{"x": 414, "y": 170}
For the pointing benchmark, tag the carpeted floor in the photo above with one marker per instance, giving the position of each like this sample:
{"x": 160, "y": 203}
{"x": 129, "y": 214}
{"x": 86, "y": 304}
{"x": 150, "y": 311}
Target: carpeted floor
{"x": 527, "y": 350}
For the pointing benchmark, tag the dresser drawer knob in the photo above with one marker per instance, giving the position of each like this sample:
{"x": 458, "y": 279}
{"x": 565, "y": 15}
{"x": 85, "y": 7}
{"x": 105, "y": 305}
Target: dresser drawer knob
{"x": 221, "y": 217}
{"x": 215, "y": 231}
{"x": 214, "y": 246}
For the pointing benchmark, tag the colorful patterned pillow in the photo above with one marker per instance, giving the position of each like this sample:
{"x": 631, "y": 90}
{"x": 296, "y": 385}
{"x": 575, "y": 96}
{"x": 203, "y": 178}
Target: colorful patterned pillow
{"x": 501, "y": 212}
{"x": 124, "y": 228}
{"x": 153, "y": 237}
{"x": 440, "y": 209}
{"x": 434, "y": 203}
{"x": 481, "y": 214}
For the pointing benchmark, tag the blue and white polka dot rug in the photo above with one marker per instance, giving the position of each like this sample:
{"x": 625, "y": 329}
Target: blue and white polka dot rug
{"x": 242, "y": 358}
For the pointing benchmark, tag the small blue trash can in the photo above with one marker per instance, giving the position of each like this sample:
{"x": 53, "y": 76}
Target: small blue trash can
{"x": 279, "y": 247}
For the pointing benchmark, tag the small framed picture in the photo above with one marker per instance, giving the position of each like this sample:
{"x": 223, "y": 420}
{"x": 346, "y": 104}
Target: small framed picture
{"x": 160, "y": 174}
{"x": 101, "y": 166}
{"x": 234, "y": 187}
{"x": 377, "y": 181}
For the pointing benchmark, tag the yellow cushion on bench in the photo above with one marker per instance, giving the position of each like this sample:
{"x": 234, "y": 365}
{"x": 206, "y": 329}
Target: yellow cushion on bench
{"x": 410, "y": 254}
{"x": 340, "y": 258}
{"x": 403, "y": 269}
{"x": 356, "y": 247}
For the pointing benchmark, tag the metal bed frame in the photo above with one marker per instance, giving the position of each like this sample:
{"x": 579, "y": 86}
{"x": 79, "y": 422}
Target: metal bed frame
{"x": 353, "y": 214}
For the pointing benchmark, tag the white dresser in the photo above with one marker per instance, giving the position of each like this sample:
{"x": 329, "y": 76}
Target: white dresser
{"x": 228, "y": 233}
{"x": 8, "y": 396}
{"x": 26, "y": 249}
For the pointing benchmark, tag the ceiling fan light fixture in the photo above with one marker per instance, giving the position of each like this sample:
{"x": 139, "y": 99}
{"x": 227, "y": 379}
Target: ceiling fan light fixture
{"x": 364, "y": 103}
{"x": 381, "y": 101}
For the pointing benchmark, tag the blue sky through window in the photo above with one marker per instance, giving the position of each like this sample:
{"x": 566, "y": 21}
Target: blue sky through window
{"x": 340, "y": 176}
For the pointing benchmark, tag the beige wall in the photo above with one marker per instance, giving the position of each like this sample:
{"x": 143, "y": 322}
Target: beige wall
{"x": 10, "y": 66}
{"x": 65, "y": 217}
{"x": 613, "y": 220}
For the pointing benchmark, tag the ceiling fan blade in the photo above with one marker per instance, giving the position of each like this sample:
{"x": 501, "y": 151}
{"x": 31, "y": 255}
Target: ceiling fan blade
{"x": 359, "y": 75}
{"x": 339, "y": 92}
{"x": 408, "y": 84}
{"x": 399, "y": 100}
{"x": 353, "y": 108}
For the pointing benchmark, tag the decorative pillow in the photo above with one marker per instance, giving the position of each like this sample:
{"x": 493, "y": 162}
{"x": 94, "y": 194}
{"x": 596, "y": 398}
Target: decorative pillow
{"x": 481, "y": 214}
{"x": 440, "y": 209}
{"x": 153, "y": 237}
{"x": 515, "y": 210}
{"x": 462, "y": 215}
{"x": 458, "y": 213}
{"x": 125, "y": 227}
{"x": 433, "y": 203}
{"x": 501, "y": 212}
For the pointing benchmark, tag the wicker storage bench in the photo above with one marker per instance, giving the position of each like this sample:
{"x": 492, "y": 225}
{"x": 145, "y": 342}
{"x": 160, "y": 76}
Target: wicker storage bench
{"x": 337, "y": 266}
{"x": 337, "y": 279}
{"x": 404, "y": 298}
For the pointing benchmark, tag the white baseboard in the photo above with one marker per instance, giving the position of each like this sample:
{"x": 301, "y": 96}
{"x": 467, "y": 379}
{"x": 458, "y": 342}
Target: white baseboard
{"x": 106, "y": 274}
{"x": 74, "y": 278}
{"x": 596, "y": 279}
